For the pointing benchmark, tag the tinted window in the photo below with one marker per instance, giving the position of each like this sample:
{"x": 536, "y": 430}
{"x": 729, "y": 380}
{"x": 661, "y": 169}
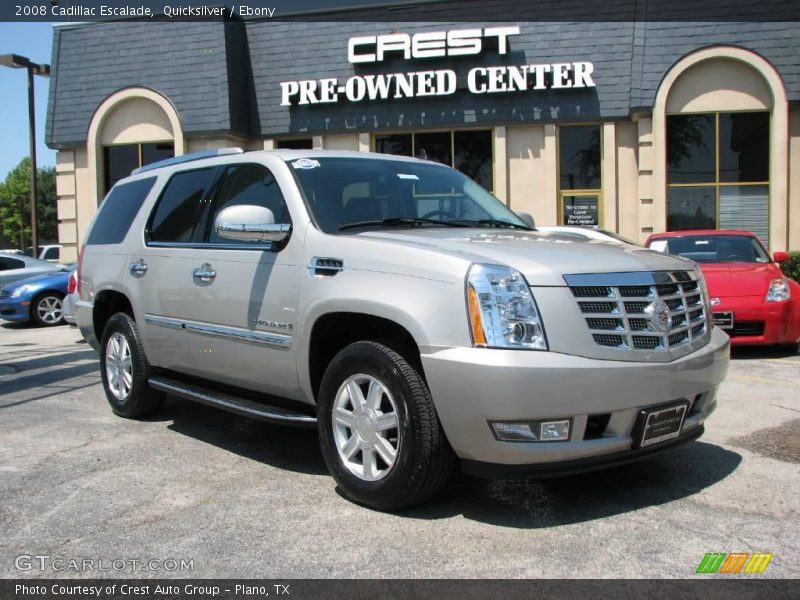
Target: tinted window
{"x": 249, "y": 184}
{"x": 691, "y": 152}
{"x": 119, "y": 161}
{"x": 52, "y": 254}
{"x": 297, "y": 144}
{"x": 6, "y": 264}
{"x": 435, "y": 146}
{"x": 579, "y": 157}
{"x": 118, "y": 210}
{"x": 473, "y": 156}
{"x": 744, "y": 147}
{"x": 394, "y": 144}
{"x": 179, "y": 208}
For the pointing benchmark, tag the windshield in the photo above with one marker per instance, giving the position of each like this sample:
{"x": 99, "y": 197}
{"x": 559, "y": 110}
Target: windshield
{"x": 714, "y": 248}
{"x": 356, "y": 193}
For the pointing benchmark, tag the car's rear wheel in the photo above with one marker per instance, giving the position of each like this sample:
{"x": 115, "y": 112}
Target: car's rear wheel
{"x": 125, "y": 370}
{"x": 47, "y": 309}
{"x": 378, "y": 428}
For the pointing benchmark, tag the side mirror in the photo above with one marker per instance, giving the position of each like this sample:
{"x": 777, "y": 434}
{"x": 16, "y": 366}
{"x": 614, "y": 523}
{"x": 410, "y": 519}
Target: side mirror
{"x": 250, "y": 223}
{"x": 780, "y": 257}
{"x": 527, "y": 219}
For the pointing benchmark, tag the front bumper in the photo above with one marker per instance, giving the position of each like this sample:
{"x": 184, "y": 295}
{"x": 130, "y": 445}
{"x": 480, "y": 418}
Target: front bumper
{"x": 757, "y": 322}
{"x": 17, "y": 309}
{"x": 473, "y": 386}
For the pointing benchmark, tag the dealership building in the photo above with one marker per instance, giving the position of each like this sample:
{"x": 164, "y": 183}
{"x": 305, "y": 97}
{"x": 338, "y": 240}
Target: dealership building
{"x": 637, "y": 125}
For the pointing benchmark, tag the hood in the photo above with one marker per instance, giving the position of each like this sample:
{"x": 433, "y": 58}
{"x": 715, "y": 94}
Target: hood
{"x": 543, "y": 259}
{"x": 733, "y": 280}
{"x": 40, "y": 279}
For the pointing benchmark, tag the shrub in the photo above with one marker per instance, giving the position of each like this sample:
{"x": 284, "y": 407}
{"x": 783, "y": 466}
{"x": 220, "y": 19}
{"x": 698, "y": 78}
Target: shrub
{"x": 791, "y": 268}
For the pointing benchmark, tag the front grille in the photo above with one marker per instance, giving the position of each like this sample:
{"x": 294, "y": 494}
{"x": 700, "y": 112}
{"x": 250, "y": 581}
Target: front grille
{"x": 627, "y": 316}
{"x": 748, "y": 328}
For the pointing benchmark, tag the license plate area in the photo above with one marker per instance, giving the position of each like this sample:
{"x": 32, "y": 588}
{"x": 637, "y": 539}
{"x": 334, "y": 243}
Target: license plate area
{"x": 656, "y": 425}
{"x": 723, "y": 320}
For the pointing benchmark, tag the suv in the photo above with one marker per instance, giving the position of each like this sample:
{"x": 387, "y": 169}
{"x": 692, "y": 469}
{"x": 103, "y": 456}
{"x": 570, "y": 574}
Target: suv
{"x": 399, "y": 308}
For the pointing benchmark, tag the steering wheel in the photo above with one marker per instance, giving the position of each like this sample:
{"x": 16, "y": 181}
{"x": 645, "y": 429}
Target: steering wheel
{"x": 434, "y": 213}
{"x": 736, "y": 258}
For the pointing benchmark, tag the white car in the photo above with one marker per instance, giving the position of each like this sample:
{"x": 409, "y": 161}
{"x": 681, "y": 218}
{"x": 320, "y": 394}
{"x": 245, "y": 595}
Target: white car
{"x": 50, "y": 252}
{"x": 68, "y": 304}
{"x": 587, "y": 233}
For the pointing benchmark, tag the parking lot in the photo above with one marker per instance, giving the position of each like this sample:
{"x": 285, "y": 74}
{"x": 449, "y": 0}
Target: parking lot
{"x": 240, "y": 498}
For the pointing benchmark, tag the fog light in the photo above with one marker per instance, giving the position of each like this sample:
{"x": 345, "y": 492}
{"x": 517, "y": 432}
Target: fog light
{"x": 553, "y": 431}
{"x": 531, "y": 431}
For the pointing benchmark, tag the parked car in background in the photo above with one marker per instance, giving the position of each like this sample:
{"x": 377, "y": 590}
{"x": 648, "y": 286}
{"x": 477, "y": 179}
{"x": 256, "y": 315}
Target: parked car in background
{"x": 70, "y": 299}
{"x": 587, "y": 233}
{"x": 10, "y": 251}
{"x": 38, "y": 299}
{"x": 18, "y": 266}
{"x": 751, "y": 299}
{"x": 50, "y": 252}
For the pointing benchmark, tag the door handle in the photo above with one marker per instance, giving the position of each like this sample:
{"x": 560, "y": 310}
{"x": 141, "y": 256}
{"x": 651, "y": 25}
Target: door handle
{"x": 204, "y": 273}
{"x": 138, "y": 268}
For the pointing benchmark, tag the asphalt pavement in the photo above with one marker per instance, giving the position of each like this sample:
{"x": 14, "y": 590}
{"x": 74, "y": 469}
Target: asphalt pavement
{"x": 196, "y": 492}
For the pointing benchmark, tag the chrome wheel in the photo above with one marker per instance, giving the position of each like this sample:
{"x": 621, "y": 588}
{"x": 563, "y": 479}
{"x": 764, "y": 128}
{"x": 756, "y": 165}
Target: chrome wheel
{"x": 119, "y": 368}
{"x": 49, "y": 310}
{"x": 366, "y": 427}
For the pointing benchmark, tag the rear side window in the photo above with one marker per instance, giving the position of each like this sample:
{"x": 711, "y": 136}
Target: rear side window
{"x": 118, "y": 211}
{"x": 6, "y": 264}
{"x": 180, "y": 206}
{"x": 52, "y": 254}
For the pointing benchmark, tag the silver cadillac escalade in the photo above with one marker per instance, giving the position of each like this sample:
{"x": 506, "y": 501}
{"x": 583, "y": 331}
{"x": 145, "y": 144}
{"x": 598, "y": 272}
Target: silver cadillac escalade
{"x": 399, "y": 308}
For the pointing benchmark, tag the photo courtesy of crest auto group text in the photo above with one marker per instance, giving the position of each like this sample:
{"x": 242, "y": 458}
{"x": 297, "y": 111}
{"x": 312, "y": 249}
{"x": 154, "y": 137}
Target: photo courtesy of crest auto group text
{"x": 399, "y": 299}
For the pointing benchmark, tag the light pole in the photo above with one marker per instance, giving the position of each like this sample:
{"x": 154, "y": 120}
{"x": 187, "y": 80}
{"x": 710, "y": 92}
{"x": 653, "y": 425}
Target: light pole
{"x": 15, "y": 61}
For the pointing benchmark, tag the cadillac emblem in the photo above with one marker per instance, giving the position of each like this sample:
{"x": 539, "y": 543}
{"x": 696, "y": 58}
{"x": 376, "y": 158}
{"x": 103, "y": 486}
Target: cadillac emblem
{"x": 660, "y": 318}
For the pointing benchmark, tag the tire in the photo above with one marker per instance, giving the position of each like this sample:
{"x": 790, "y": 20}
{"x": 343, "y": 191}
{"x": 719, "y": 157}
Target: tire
{"x": 401, "y": 412}
{"x": 47, "y": 309}
{"x": 121, "y": 352}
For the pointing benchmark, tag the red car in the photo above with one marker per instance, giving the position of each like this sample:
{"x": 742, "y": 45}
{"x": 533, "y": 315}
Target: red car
{"x": 752, "y": 300}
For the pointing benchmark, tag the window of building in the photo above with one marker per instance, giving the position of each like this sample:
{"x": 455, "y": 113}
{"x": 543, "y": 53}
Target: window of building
{"x": 119, "y": 161}
{"x": 718, "y": 172}
{"x": 249, "y": 184}
{"x": 580, "y": 180}
{"x": 468, "y": 151}
{"x": 295, "y": 144}
{"x": 180, "y": 206}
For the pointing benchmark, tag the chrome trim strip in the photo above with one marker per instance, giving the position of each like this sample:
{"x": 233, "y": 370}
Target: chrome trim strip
{"x": 259, "y": 337}
{"x": 277, "y": 340}
{"x": 630, "y": 278}
{"x": 262, "y": 246}
{"x": 163, "y": 321}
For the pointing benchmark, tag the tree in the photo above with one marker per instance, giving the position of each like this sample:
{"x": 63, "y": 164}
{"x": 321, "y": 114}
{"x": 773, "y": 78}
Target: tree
{"x": 15, "y": 206}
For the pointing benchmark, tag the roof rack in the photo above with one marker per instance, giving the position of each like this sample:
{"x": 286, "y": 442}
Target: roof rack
{"x": 185, "y": 158}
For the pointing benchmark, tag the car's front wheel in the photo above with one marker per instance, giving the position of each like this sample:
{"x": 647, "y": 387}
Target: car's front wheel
{"x": 125, "y": 370}
{"x": 379, "y": 432}
{"x": 47, "y": 309}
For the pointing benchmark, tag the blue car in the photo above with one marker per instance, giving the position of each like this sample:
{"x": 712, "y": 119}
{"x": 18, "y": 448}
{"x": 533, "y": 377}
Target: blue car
{"x": 39, "y": 299}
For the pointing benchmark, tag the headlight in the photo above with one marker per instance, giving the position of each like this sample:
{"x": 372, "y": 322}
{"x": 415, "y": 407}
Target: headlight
{"x": 23, "y": 289}
{"x": 778, "y": 291}
{"x": 502, "y": 311}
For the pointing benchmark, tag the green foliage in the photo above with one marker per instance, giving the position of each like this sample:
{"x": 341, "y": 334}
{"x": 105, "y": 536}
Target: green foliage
{"x": 15, "y": 208}
{"x": 791, "y": 268}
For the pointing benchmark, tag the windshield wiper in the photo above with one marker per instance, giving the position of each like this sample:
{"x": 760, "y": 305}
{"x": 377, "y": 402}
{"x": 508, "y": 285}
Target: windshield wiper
{"x": 395, "y": 221}
{"x": 495, "y": 223}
